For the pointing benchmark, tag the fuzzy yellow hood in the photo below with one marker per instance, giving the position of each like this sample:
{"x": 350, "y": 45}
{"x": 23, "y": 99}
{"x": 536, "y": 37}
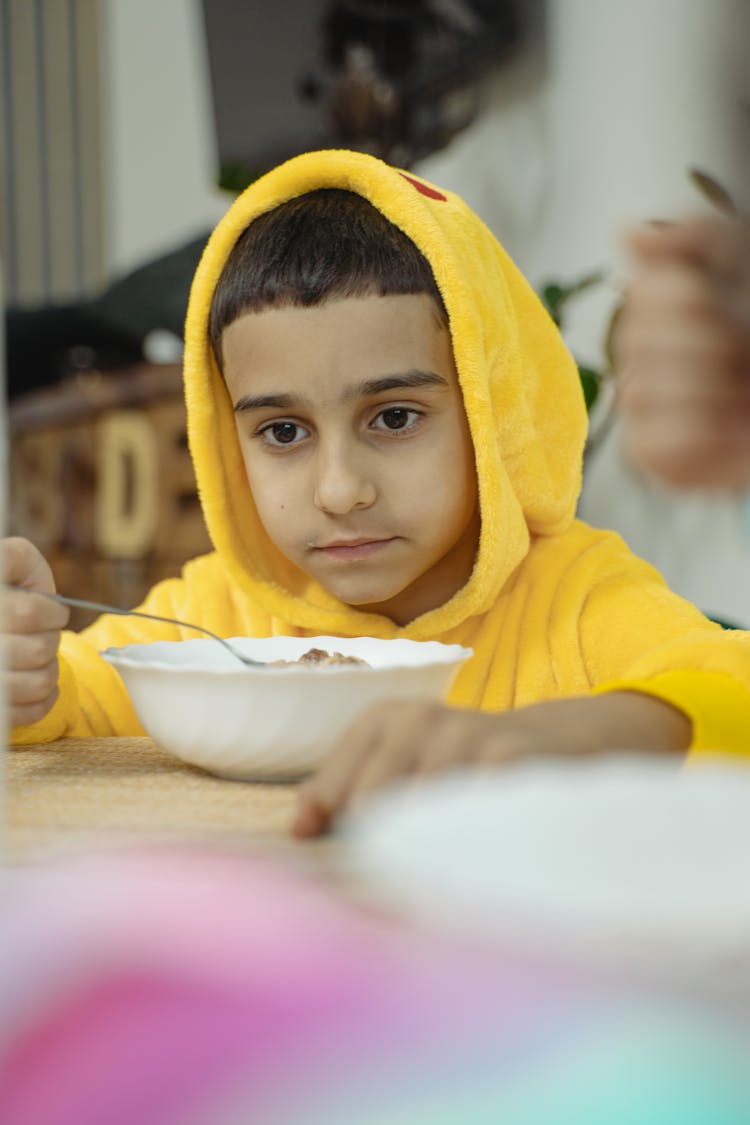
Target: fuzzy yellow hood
{"x": 520, "y": 388}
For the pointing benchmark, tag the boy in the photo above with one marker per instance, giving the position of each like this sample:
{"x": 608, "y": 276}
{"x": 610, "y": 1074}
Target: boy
{"x": 387, "y": 434}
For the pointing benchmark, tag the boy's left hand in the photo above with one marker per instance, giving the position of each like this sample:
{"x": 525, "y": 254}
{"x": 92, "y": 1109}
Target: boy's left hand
{"x": 417, "y": 738}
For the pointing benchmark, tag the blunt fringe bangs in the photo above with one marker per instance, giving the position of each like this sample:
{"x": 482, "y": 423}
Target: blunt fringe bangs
{"x": 328, "y": 243}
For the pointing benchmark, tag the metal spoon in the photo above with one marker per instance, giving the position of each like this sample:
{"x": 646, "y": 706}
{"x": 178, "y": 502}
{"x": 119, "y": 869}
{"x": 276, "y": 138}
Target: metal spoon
{"x": 100, "y": 607}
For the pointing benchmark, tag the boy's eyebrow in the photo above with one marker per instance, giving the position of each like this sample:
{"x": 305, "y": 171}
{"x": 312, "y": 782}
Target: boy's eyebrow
{"x": 394, "y": 382}
{"x": 257, "y": 402}
{"x": 405, "y": 379}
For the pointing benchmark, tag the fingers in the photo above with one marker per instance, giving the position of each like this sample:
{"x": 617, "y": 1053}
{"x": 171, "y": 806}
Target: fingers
{"x": 719, "y": 246}
{"x": 310, "y": 819}
{"x": 26, "y": 571}
{"x": 685, "y": 406}
{"x": 31, "y": 625}
{"x": 381, "y": 745}
{"x": 402, "y": 740}
{"x": 30, "y": 675}
{"x": 660, "y": 382}
{"x": 24, "y": 614}
{"x": 393, "y": 752}
{"x": 24, "y": 714}
{"x": 323, "y": 796}
{"x": 22, "y": 564}
{"x": 669, "y": 295}
{"x": 32, "y": 686}
{"x": 31, "y": 695}
{"x": 690, "y": 450}
{"x": 682, "y": 354}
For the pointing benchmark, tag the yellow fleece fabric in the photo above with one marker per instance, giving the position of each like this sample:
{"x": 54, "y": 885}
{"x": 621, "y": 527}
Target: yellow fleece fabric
{"x": 552, "y": 608}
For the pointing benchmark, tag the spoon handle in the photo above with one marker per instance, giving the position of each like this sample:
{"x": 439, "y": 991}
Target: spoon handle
{"x": 101, "y": 607}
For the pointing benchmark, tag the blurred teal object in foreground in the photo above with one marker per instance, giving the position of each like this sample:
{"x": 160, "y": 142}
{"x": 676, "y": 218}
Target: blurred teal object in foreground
{"x": 664, "y": 1073}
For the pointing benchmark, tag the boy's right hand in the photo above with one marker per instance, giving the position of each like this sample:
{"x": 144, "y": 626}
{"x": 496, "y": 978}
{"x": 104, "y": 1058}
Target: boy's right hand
{"x": 30, "y": 631}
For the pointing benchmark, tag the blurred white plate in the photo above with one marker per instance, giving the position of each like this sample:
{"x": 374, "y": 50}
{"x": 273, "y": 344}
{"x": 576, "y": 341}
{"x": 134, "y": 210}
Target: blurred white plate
{"x": 621, "y": 853}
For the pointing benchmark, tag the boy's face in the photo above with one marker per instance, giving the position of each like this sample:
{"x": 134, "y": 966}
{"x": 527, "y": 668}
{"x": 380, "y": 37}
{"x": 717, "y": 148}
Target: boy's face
{"x": 357, "y": 448}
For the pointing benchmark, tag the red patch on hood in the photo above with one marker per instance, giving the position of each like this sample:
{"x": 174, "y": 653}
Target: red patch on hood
{"x": 431, "y": 192}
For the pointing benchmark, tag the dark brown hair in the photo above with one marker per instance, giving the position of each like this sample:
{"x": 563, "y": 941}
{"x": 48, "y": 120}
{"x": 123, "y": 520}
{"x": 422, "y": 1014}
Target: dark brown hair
{"x": 325, "y": 244}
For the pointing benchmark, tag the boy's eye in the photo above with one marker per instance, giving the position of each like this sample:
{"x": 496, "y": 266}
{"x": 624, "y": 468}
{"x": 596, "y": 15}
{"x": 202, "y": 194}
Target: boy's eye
{"x": 283, "y": 433}
{"x": 396, "y": 418}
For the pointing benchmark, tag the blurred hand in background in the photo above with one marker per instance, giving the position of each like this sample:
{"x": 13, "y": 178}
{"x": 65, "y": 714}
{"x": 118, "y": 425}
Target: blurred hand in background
{"x": 682, "y": 354}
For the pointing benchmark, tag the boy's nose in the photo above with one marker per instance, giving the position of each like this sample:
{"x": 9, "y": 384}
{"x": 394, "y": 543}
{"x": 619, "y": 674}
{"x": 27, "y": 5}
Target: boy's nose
{"x": 341, "y": 485}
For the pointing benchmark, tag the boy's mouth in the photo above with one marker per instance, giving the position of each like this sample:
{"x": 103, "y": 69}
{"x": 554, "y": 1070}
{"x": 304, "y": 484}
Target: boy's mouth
{"x": 352, "y": 548}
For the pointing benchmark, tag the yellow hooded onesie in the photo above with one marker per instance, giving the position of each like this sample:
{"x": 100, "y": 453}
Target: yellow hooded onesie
{"x": 552, "y": 608}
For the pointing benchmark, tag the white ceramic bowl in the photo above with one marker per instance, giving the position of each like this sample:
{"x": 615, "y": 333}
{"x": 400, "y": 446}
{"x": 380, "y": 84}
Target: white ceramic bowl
{"x": 200, "y": 704}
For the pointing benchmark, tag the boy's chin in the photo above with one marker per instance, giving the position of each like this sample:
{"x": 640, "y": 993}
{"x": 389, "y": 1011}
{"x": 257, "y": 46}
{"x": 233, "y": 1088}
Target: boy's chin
{"x": 368, "y": 599}
{"x": 400, "y": 606}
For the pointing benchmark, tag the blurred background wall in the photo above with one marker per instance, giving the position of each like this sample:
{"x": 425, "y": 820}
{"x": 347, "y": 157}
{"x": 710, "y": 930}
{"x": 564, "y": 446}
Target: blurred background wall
{"x": 161, "y": 158}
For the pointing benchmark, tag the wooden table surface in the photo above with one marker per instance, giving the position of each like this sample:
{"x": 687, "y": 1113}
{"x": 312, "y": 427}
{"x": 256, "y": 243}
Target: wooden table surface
{"x": 76, "y": 793}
